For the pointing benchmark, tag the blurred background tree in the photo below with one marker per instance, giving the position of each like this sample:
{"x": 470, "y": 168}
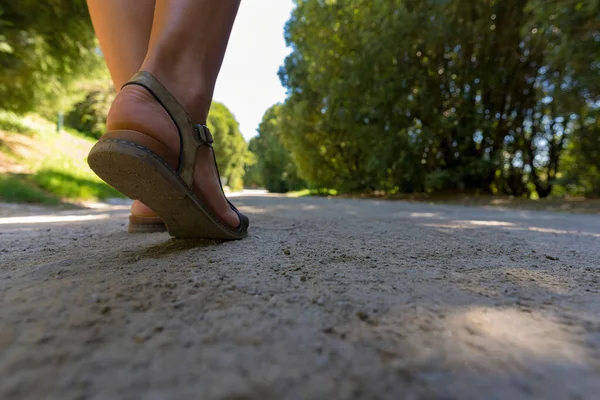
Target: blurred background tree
{"x": 230, "y": 147}
{"x": 44, "y": 48}
{"x": 411, "y": 96}
{"x": 275, "y": 169}
{"x": 89, "y": 114}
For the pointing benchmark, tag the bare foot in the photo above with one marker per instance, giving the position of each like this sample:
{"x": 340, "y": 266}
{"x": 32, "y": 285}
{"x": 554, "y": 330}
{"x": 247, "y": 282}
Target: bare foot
{"x": 136, "y": 109}
{"x": 139, "y": 209}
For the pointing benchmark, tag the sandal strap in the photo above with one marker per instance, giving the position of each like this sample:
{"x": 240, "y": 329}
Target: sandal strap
{"x": 191, "y": 135}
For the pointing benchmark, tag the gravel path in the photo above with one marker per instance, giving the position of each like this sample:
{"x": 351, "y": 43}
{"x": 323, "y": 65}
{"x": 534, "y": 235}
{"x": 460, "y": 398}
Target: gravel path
{"x": 327, "y": 299}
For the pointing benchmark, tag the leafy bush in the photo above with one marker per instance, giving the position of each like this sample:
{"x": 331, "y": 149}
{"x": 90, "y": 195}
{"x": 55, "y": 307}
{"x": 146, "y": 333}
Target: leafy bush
{"x": 89, "y": 115}
{"x": 11, "y": 122}
{"x": 275, "y": 168}
{"x": 230, "y": 147}
{"x": 45, "y": 46}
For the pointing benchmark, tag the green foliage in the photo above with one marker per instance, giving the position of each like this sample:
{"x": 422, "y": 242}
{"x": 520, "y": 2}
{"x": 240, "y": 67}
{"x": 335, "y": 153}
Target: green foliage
{"x": 75, "y": 186}
{"x": 252, "y": 178}
{"x": 55, "y": 162}
{"x": 230, "y": 147}
{"x": 412, "y": 96}
{"x": 89, "y": 115}
{"x": 11, "y": 122}
{"x": 274, "y": 166}
{"x": 51, "y": 186}
{"x": 18, "y": 189}
{"x": 44, "y": 47}
{"x": 581, "y": 161}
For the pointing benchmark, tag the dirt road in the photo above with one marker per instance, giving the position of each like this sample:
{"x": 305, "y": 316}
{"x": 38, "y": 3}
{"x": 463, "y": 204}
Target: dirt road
{"x": 327, "y": 299}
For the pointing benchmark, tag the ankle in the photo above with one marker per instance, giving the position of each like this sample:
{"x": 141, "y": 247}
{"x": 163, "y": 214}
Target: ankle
{"x": 188, "y": 86}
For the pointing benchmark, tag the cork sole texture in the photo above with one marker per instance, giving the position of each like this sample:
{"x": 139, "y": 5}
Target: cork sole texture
{"x": 138, "y": 227}
{"x": 141, "y": 175}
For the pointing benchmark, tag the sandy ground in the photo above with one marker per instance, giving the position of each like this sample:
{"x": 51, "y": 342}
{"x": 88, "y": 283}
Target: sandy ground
{"x": 327, "y": 299}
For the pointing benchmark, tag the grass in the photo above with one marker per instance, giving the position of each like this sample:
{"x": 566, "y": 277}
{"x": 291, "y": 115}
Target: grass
{"x": 40, "y": 165}
{"x": 313, "y": 192}
{"x": 66, "y": 185}
{"x": 11, "y": 122}
{"x": 17, "y": 189}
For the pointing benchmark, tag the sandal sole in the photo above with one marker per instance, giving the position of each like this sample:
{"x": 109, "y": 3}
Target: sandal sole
{"x": 136, "y": 228}
{"x": 140, "y": 174}
{"x": 155, "y": 225}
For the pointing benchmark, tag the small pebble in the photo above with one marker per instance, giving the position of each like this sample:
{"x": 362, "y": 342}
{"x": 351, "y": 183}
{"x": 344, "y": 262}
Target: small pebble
{"x": 552, "y": 258}
{"x": 303, "y": 278}
{"x": 363, "y": 316}
{"x": 286, "y": 252}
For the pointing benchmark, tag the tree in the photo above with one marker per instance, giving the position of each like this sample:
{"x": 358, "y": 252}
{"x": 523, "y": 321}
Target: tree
{"x": 230, "y": 147}
{"x": 275, "y": 167}
{"x": 406, "y": 95}
{"x": 44, "y": 46}
{"x": 581, "y": 161}
{"x": 89, "y": 115}
{"x": 252, "y": 177}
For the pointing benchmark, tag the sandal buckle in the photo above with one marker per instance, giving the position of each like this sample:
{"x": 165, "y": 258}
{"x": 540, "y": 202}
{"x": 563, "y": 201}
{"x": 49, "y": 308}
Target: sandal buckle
{"x": 204, "y": 134}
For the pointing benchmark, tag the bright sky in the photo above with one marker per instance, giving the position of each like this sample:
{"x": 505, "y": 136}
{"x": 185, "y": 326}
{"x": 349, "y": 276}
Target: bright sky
{"x": 248, "y": 84}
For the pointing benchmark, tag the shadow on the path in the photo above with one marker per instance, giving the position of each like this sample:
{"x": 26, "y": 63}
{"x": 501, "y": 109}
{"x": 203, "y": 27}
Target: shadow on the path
{"x": 174, "y": 246}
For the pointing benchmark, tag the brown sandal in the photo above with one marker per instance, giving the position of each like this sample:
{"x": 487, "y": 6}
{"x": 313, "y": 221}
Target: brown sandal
{"x": 143, "y": 168}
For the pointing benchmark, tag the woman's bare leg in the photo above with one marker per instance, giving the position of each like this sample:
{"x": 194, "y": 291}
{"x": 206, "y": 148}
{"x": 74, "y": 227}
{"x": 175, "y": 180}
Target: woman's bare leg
{"x": 187, "y": 46}
{"x": 123, "y": 28}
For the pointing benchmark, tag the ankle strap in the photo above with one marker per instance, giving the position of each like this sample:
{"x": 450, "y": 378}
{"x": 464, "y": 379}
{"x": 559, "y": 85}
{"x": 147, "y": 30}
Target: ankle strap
{"x": 191, "y": 135}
